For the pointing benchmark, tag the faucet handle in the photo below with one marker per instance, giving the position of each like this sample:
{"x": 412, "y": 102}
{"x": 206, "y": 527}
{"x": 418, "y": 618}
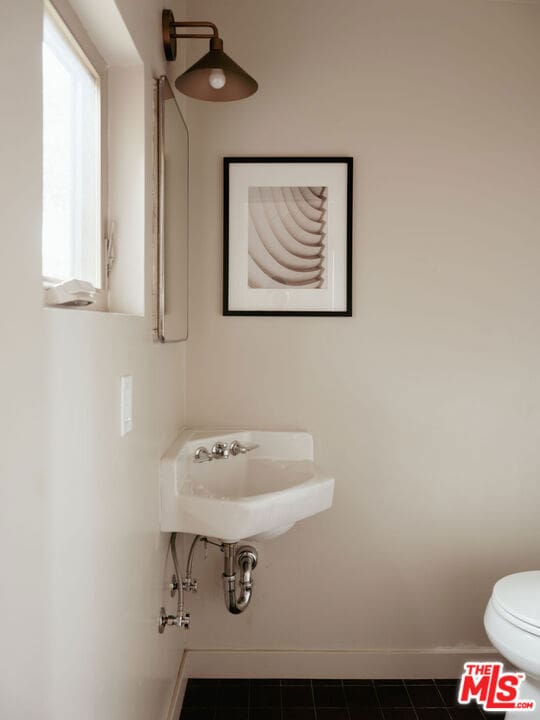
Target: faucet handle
{"x": 237, "y": 448}
{"x": 202, "y": 455}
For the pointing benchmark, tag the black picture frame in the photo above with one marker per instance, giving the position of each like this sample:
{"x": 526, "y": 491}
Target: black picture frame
{"x": 348, "y": 161}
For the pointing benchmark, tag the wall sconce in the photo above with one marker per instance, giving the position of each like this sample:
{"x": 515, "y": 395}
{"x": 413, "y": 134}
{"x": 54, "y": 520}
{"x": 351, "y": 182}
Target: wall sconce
{"x": 215, "y": 76}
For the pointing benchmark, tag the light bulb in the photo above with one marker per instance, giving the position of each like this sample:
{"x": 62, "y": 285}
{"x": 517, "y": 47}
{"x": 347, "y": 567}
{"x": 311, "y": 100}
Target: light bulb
{"x": 217, "y": 78}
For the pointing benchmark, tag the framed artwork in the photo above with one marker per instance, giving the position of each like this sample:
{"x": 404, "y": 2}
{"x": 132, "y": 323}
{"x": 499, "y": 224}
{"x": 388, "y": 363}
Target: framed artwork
{"x": 287, "y": 236}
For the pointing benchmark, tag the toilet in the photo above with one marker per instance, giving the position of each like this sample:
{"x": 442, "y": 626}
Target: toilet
{"x": 512, "y": 622}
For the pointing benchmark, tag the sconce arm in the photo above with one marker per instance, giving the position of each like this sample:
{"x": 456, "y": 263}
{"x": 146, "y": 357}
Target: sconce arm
{"x": 195, "y": 23}
{"x": 170, "y": 36}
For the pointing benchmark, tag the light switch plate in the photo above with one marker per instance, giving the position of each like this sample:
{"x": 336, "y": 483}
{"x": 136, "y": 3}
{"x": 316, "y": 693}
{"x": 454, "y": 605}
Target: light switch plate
{"x": 126, "y": 404}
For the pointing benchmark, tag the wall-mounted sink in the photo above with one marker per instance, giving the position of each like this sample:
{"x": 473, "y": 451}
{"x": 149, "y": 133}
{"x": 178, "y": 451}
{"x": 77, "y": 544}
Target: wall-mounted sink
{"x": 258, "y": 494}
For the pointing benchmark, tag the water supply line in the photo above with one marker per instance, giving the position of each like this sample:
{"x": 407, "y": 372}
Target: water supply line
{"x": 190, "y": 583}
{"x": 179, "y": 582}
{"x": 182, "y": 618}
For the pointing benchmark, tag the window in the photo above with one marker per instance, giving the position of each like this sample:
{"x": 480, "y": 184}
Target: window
{"x": 72, "y": 219}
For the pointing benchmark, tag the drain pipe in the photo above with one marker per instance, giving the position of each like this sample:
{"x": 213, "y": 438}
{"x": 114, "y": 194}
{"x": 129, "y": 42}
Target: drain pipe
{"x": 246, "y": 559}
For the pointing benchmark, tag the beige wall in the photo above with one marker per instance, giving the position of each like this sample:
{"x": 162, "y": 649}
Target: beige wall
{"x": 83, "y": 562}
{"x": 426, "y": 404}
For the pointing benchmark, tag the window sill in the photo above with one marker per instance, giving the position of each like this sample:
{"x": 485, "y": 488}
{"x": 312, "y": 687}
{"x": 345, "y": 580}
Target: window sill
{"x": 99, "y": 304}
{"x": 93, "y": 311}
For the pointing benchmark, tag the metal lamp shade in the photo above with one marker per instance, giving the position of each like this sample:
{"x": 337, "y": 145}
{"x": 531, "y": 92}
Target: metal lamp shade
{"x": 195, "y": 82}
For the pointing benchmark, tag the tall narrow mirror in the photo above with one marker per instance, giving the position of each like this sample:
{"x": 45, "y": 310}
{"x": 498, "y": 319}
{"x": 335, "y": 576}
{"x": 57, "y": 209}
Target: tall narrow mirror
{"x": 170, "y": 217}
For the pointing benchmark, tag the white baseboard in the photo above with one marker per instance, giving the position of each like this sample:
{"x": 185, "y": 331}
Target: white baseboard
{"x": 348, "y": 664}
{"x": 179, "y": 690}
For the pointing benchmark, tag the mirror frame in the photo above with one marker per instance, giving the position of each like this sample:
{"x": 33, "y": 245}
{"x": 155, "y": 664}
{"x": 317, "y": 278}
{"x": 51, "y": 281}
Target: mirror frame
{"x": 163, "y": 91}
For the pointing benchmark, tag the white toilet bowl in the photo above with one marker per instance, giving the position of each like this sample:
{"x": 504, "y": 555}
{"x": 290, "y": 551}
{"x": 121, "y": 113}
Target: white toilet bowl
{"x": 512, "y": 622}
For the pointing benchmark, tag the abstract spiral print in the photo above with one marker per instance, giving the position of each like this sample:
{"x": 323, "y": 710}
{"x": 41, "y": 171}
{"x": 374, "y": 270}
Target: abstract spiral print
{"x": 287, "y": 235}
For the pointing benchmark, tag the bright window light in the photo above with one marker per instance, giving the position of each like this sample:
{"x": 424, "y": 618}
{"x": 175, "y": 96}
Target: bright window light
{"x": 71, "y": 158}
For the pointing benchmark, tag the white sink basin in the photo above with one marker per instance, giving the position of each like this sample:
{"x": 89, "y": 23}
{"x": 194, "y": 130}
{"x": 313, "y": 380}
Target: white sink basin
{"x": 258, "y": 495}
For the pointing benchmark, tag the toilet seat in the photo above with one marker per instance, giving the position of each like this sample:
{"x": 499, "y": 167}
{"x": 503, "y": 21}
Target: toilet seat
{"x": 513, "y": 620}
{"x": 516, "y": 598}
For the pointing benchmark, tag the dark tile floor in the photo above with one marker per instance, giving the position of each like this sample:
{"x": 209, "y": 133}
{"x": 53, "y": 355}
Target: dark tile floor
{"x": 327, "y": 700}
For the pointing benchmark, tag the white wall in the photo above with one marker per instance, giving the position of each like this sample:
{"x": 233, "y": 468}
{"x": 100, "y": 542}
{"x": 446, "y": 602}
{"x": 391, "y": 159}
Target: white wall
{"x": 426, "y": 404}
{"x": 84, "y": 564}
{"x": 23, "y": 498}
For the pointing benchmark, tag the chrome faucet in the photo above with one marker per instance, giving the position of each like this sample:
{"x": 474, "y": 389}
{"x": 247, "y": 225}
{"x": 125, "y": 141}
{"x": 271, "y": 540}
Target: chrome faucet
{"x": 221, "y": 451}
